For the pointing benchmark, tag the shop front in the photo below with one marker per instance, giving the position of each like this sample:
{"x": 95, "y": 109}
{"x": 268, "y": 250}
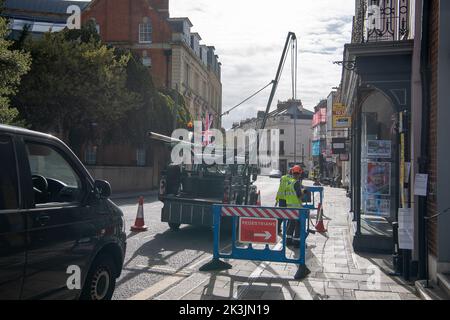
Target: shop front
{"x": 376, "y": 91}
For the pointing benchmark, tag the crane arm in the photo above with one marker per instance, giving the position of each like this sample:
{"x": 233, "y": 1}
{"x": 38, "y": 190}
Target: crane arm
{"x": 290, "y": 37}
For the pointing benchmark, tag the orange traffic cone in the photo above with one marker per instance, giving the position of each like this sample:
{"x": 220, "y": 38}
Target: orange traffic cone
{"x": 320, "y": 227}
{"x": 139, "y": 224}
{"x": 258, "y": 201}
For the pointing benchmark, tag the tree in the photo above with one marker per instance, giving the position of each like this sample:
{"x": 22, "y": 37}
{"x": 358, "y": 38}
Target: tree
{"x": 73, "y": 83}
{"x": 155, "y": 111}
{"x": 13, "y": 65}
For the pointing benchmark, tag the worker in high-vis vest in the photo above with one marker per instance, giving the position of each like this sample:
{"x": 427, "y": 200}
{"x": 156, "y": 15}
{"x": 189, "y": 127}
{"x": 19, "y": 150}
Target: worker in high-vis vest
{"x": 281, "y": 194}
{"x": 294, "y": 193}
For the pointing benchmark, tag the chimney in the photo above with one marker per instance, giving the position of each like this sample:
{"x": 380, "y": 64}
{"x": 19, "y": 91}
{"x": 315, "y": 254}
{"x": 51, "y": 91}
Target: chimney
{"x": 161, "y": 6}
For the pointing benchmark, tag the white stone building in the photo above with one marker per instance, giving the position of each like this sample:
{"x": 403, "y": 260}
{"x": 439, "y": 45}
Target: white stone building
{"x": 294, "y": 124}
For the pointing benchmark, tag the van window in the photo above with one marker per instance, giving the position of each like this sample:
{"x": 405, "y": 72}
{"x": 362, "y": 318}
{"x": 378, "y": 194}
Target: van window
{"x": 54, "y": 179}
{"x": 9, "y": 197}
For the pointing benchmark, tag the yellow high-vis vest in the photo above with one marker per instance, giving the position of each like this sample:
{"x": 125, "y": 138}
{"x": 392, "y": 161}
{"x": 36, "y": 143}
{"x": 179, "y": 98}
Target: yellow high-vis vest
{"x": 292, "y": 201}
{"x": 281, "y": 194}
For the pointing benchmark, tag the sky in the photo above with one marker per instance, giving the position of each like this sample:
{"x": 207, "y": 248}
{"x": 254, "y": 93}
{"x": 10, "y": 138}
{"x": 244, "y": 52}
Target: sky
{"x": 249, "y": 36}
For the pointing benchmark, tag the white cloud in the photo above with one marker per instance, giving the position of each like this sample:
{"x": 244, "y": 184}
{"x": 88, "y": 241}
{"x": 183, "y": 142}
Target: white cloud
{"x": 249, "y": 36}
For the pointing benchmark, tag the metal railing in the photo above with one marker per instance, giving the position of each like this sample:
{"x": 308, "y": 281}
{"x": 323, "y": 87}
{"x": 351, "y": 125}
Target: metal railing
{"x": 383, "y": 20}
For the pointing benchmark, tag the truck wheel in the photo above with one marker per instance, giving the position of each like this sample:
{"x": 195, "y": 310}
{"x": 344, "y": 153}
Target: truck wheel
{"x": 174, "y": 226}
{"x": 101, "y": 280}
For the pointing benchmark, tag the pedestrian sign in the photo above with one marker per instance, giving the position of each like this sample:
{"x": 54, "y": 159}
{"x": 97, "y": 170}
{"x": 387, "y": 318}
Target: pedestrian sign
{"x": 256, "y": 230}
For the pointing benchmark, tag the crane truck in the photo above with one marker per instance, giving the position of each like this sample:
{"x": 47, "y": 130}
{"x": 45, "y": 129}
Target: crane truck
{"x": 189, "y": 190}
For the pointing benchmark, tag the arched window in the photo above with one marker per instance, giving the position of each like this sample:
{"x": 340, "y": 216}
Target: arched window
{"x": 145, "y": 31}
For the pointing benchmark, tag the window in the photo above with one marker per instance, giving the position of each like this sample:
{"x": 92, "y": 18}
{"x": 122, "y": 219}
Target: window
{"x": 9, "y": 196}
{"x": 90, "y": 157}
{"x": 281, "y": 131}
{"x": 146, "y": 60}
{"x": 281, "y": 148}
{"x": 54, "y": 179}
{"x": 187, "y": 75}
{"x": 140, "y": 157}
{"x": 145, "y": 31}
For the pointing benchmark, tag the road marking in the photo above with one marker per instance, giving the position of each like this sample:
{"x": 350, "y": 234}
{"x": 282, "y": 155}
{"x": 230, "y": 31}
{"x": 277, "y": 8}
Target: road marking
{"x": 170, "y": 280}
{"x": 157, "y": 287}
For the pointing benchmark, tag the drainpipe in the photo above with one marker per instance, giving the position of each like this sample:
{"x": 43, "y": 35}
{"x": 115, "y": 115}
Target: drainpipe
{"x": 423, "y": 160}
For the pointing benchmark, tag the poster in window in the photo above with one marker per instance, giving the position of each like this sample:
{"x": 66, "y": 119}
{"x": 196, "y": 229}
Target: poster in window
{"x": 379, "y": 149}
{"x": 378, "y": 206}
{"x": 378, "y": 178}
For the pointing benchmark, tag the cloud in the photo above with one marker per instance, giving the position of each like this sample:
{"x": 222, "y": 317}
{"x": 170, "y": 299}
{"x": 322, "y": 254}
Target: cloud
{"x": 249, "y": 36}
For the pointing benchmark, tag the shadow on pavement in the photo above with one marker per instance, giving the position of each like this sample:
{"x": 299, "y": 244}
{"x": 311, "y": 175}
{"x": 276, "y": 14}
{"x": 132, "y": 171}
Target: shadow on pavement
{"x": 166, "y": 245}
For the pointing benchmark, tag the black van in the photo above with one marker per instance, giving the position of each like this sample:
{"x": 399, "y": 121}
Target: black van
{"x": 60, "y": 235}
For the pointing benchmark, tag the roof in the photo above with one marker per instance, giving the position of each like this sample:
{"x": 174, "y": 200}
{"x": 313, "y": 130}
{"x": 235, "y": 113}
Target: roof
{"x": 176, "y": 19}
{"x": 47, "y": 6}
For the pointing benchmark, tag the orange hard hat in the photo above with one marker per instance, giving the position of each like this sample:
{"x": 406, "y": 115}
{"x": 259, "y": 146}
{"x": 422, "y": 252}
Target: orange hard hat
{"x": 297, "y": 169}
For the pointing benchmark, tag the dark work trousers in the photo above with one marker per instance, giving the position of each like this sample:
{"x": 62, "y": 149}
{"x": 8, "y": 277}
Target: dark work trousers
{"x": 293, "y": 230}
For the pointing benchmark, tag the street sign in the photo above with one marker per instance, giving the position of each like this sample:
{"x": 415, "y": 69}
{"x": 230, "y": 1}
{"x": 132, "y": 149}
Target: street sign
{"x": 339, "y": 145}
{"x": 340, "y": 119}
{"x": 257, "y": 230}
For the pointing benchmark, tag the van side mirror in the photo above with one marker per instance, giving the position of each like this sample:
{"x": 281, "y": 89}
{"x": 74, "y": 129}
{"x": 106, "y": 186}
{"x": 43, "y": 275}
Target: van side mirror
{"x": 103, "y": 188}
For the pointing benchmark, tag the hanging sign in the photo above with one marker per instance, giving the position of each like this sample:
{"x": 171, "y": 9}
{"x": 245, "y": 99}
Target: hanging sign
{"x": 340, "y": 119}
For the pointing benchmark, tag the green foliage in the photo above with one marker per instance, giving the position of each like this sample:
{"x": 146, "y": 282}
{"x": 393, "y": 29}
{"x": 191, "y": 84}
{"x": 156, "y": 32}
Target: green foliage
{"x": 155, "y": 111}
{"x": 81, "y": 89}
{"x": 73, "y": 84}
{"x": 13, "y": 65}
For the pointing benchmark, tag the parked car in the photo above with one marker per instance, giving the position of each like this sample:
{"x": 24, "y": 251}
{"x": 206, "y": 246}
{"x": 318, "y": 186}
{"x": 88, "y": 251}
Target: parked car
{"x": 275, "y": 174}
{"x": 60, "y": 235}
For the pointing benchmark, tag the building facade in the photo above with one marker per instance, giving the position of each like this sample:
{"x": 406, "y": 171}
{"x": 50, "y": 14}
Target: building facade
{"x": 138, "y": 25}
{"x": 376, "y": 91}
{"x": 295, "y": 134}
{"x": 196, "y": 72}
{"x": 429, "y": 142}
{"x": 174, "y": 57}
{"x": 336, "y": 138}
{"x": 320, "y": 151}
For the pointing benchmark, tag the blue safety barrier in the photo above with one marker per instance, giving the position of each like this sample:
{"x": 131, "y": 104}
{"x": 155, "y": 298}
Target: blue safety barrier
{"x": 266, "y": 254}
{"x": 312, "y": 204}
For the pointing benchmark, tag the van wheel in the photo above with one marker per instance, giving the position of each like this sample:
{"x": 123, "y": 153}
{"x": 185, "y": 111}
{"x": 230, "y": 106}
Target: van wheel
{"x": 101, "y": 280}
{"x": 174, "y": 226}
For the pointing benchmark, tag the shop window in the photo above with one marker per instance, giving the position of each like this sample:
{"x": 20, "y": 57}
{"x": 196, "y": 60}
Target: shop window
{"x": 379, "y": 162}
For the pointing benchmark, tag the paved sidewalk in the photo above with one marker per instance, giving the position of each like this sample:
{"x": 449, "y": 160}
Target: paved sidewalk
{"x": 337, "y": 273}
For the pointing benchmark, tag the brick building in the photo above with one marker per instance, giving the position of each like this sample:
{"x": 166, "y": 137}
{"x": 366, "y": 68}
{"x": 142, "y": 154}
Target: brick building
{"x": 139, "y": 25}
{"x": 430, "y": 117}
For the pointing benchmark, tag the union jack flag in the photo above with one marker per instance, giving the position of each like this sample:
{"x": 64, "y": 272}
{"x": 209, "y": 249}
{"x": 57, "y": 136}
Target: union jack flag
{"x": 207, "y": 134}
